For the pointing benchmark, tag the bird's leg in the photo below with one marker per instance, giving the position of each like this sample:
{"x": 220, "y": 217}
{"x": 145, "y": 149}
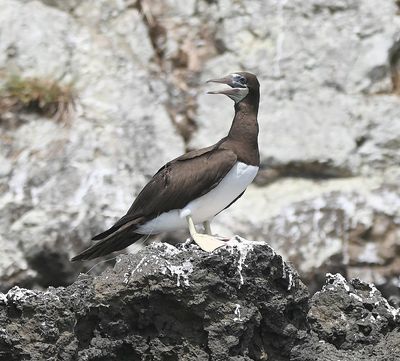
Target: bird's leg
{"x": 207, "y": 227}
{"x": 206, "y": 242}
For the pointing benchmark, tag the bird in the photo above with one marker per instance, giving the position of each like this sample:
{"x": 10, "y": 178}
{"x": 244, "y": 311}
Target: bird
{"x": 192, "y": 189}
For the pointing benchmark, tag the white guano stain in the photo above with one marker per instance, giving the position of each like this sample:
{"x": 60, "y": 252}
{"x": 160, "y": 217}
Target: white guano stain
{"x": 237, "y": 313}
{"x": 182, "y": 272}
{"x": 128, "y": 275}
{"x": 243, "y": 247}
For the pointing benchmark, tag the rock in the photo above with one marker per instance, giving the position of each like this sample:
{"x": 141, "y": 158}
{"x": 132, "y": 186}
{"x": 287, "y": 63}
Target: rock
{"x": 350, "y": 321}
{"x": 242, "y": 302}
{"x": 354, "y": 233}
{"x": 325, "y": 82}
{"x": 328, "y": 118}
{"x": 64, "y": 182}
{"x": 338, "y": 226}
{"x": 164, "y": 302}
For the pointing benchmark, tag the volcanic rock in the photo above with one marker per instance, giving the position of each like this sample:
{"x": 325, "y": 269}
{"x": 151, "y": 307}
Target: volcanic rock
{"x": 243, "y": 302}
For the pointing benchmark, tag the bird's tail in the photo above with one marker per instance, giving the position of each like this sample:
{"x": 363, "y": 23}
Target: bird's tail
{"x": 109, "y": 244}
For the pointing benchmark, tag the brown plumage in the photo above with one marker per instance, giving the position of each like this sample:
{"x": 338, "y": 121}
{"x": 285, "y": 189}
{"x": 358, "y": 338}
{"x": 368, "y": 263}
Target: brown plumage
{"x": 189, "y": 176}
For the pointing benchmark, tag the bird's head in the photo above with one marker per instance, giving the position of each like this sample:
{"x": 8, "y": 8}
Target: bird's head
{"x": 242, "y": 84}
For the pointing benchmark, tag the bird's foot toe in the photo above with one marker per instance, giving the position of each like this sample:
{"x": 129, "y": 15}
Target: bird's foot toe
{"x": 221, "y": 238}
{"x": 207, "y": 242}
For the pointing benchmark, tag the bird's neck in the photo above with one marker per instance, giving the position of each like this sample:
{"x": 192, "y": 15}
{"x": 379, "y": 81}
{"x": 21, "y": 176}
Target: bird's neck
{"x": 245, "y": 125}
{"x": 244, "y": 129}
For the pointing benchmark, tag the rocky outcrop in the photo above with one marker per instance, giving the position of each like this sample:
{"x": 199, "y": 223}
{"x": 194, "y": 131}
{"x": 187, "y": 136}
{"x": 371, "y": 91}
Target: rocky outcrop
{"x": 349, "y": 321}
{"x": 353, "y": 231}
{"x": 329, "y": 125}
{"x": 164, "y": 303}
{"x": 242, "y": 302}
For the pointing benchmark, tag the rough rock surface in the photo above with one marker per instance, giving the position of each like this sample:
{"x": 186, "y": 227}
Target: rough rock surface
{"x": 350, "y": 321}
{"x": 165, "y": 303}
{"x": 354, "y": 231}
{"x": 64, "y": 182}
{"x": 326, "y": 78}
{"x": 329, "y": 71}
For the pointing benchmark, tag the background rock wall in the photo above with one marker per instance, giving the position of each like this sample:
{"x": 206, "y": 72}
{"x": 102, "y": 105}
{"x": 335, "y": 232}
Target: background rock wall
{"x": 327, "y": 194}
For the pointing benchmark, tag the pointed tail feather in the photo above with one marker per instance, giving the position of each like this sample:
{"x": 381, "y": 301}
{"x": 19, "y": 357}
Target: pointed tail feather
{"x": 103, "y": 247}
{"x": 119, "y": 227}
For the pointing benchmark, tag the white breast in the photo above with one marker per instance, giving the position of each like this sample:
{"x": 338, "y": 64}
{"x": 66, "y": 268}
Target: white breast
{"x": 207, "y": 206}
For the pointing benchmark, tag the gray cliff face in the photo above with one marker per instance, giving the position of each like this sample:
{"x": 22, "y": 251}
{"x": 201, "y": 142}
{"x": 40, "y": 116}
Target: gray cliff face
{"x": 165, "y": 303}
{"x": 329, "y": 119}
{"x": 63, "y": 179}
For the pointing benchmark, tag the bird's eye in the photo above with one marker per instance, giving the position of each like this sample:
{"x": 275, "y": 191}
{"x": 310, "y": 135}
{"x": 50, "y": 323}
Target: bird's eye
{"x": 243, "y": 80}
{"x": 240, "y": 81}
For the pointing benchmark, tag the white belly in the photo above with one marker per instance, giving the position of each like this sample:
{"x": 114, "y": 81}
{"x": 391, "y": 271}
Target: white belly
{"x": 207, "y": 206}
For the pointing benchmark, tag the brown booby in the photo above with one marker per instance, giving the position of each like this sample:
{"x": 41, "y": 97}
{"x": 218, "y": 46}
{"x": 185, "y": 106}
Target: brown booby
{"x": 193, "y": 188}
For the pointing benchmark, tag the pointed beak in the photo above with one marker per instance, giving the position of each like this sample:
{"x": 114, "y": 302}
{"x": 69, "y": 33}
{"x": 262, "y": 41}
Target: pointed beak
{"x": 225, "y": 80}
{"x": 230, "y": 91}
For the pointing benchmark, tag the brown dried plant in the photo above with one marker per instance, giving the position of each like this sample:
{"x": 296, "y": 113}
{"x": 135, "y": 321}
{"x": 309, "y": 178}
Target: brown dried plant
{"x": 43, "y": 96}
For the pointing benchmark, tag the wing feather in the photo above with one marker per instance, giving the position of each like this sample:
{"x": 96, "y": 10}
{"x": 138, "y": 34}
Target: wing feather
{"x": 176, "y": 184}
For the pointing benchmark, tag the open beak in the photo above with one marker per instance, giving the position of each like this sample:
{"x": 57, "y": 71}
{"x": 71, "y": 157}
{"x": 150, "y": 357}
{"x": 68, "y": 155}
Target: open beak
{"x": 225, "y": 80}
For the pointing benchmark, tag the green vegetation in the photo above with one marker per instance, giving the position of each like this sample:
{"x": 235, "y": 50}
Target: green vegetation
{"x": 43, "y": 96}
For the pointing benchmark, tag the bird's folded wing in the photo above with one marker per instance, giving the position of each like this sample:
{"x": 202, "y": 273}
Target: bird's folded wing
{"x": 193, "y": 154}
{"x": 178, "y": 183}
